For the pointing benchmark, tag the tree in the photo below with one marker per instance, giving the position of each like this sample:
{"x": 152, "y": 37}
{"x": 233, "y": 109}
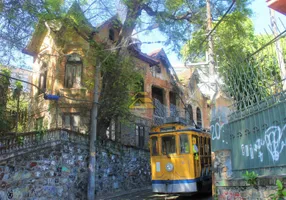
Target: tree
{"x": 5, "y": 123}
{"x": 177, "y": 19}
{"x": 247, "y": 78}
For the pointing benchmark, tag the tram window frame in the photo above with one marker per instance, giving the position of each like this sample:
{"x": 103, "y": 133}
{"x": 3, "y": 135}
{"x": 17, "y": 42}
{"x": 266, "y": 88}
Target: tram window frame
{"x": 188, "y": 143}
{"x": 201, "y": 146}
{"x": 156, "y": 146}
{"x": 162, "y": 145}
{"x": 207, "y": 147}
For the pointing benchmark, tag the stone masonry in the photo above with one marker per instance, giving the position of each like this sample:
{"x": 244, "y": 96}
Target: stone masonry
{"x": 53, "y": 165}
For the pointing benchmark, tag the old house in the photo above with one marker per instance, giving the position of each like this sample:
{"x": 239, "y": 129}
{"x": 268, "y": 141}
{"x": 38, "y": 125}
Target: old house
{"x": 203, "y": 103}
{"x": 64, "y": 67}
{"x": 197, "y": 103}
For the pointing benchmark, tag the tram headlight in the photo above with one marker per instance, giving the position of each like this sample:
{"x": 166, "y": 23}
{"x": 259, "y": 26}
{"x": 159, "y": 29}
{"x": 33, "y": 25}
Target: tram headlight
{"x": 169, "y": 167}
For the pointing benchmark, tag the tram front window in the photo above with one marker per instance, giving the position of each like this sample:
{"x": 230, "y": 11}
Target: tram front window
{"x": 184, "y": 144}
{"x": 168, "y": 144}
{"x": 155, "y": 149}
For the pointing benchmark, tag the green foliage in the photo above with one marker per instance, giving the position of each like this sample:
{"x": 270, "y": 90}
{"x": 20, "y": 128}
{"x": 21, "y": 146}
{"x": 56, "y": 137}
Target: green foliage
{"x": 251, "y": 178}
{"x": 20, "y": 139}
{"x": 18, "y": 89}
{"x": 246, "y": 78}
{"x": 280, "y": 193}
{"x": 5, "y": 119}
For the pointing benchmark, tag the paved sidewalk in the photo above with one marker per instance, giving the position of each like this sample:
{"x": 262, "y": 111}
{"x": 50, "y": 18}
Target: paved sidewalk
{"x": 148, "y": 195}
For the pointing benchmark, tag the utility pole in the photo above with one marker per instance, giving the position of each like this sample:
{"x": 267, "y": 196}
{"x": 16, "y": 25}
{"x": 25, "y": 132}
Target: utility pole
{"x": 92, "y": 149}
{"x": 211, "y": 61}
{"x": 279, "y": 51}
{"x": 210, "y": 40}
{"x": 212, "y": 73}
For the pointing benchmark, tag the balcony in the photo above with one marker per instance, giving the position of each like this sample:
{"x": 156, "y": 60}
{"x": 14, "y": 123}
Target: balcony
{"x": 161, "y": 116}
{"x": 278, "y": 5}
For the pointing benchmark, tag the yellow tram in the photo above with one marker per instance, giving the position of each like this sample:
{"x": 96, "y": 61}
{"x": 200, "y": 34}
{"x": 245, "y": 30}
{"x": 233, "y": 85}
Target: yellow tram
{"x": 180, "y": 159}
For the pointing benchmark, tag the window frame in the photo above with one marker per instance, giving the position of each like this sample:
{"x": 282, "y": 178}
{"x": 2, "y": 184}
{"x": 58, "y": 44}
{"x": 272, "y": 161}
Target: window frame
{"x": 155, "y": 70}
{"x": 111, "y": 130}
{"x": 71, "y": 127}
{"x": 199, "y": 117}
{"x": 169, "y": 135}
{"x": 111, "y": 34}
{"x": 79, "y": 65}
{"x": 140, "y": 134}
{"x": 188, "y": 143}
{"x": 190, "y": 113}
{"x": 157, "y": 147}
{"x": 43, "y": 75}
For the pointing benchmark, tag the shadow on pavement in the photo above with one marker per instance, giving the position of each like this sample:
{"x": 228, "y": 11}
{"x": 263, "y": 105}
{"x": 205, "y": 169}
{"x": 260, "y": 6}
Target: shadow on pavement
{"x": 148, "y": 195}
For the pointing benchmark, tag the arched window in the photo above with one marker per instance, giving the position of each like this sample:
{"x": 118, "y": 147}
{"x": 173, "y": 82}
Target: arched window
{"x": 199, "y": 117}
{"x": 43, "y": 77}
{"x": 189, "y": 114}
{"x": 73, "y": 71}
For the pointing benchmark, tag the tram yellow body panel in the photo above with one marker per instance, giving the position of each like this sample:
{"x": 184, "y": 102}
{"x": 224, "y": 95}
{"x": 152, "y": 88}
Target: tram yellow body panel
{"x": 180, "y": 158}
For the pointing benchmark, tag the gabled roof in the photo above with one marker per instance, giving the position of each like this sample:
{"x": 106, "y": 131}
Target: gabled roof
{"x": 143, "y": 56}
{"x": 115, "y": 21}
{"x": 37, "y": 39}
{"x": 79, "y": 21}
{"x": 188, "y": 74}
{"x": 160, "y": 54}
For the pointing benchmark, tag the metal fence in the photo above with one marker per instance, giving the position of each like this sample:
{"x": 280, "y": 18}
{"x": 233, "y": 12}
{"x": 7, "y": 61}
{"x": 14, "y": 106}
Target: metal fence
{"x": 254, "y": 131}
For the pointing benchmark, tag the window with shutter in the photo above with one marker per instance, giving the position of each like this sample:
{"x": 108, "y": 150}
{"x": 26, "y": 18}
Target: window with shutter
{"x": 199, "y": 117}
{"x": 140, "y": 134}
{"x": 43, "y": 77}
{"x": 73, "y": 71}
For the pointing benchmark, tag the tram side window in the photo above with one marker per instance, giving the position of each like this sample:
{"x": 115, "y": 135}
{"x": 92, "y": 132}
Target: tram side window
{"x": 168, "y": 145}
{"x": 184, "y": 144}
{"x": 155, "y": 146}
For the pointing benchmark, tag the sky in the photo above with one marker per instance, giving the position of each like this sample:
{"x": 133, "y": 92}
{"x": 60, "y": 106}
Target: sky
{"x": 261, "y": 20}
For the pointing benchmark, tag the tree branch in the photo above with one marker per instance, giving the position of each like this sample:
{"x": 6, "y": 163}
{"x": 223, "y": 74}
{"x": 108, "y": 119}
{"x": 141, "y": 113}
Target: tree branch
{"x": 186, "y": 16}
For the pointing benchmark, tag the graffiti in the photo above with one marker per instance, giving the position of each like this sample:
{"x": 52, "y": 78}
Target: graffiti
{"x": 251, "y": 152}
{"x": 260, "y": 156}
{"x": 273, "y": 142}
{"x": 229, "y": 195}
{"x": 216, "y": 131}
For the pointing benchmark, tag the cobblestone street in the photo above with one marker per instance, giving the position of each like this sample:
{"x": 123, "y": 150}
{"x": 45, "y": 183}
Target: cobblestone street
{"x": 148, "y": 195}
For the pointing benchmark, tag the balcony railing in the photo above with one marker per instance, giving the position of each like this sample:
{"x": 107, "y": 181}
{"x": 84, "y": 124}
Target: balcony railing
{"x": 161, "y": 112}
{"x": 10, "y": 144}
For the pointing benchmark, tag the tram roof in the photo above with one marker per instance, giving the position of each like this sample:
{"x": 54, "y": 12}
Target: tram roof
{"x": 164, "y": 129}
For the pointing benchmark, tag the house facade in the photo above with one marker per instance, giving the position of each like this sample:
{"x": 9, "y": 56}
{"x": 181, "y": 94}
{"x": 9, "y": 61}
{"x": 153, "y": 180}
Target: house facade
{"x": 197, "y": 103}
{"x": 64, "y": 66}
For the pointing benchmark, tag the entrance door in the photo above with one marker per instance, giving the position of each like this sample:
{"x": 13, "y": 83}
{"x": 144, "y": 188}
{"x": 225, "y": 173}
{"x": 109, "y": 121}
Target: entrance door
{"x": 195, "y": 150}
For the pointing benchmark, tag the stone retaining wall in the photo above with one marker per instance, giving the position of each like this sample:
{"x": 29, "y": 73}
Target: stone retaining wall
{"x": 56, "y": 172}
{"x": 55, "y": 167}
{"x": 246, "y": 192}
{"x": 121, "y": 168}
{"x": 228, "y": 187}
